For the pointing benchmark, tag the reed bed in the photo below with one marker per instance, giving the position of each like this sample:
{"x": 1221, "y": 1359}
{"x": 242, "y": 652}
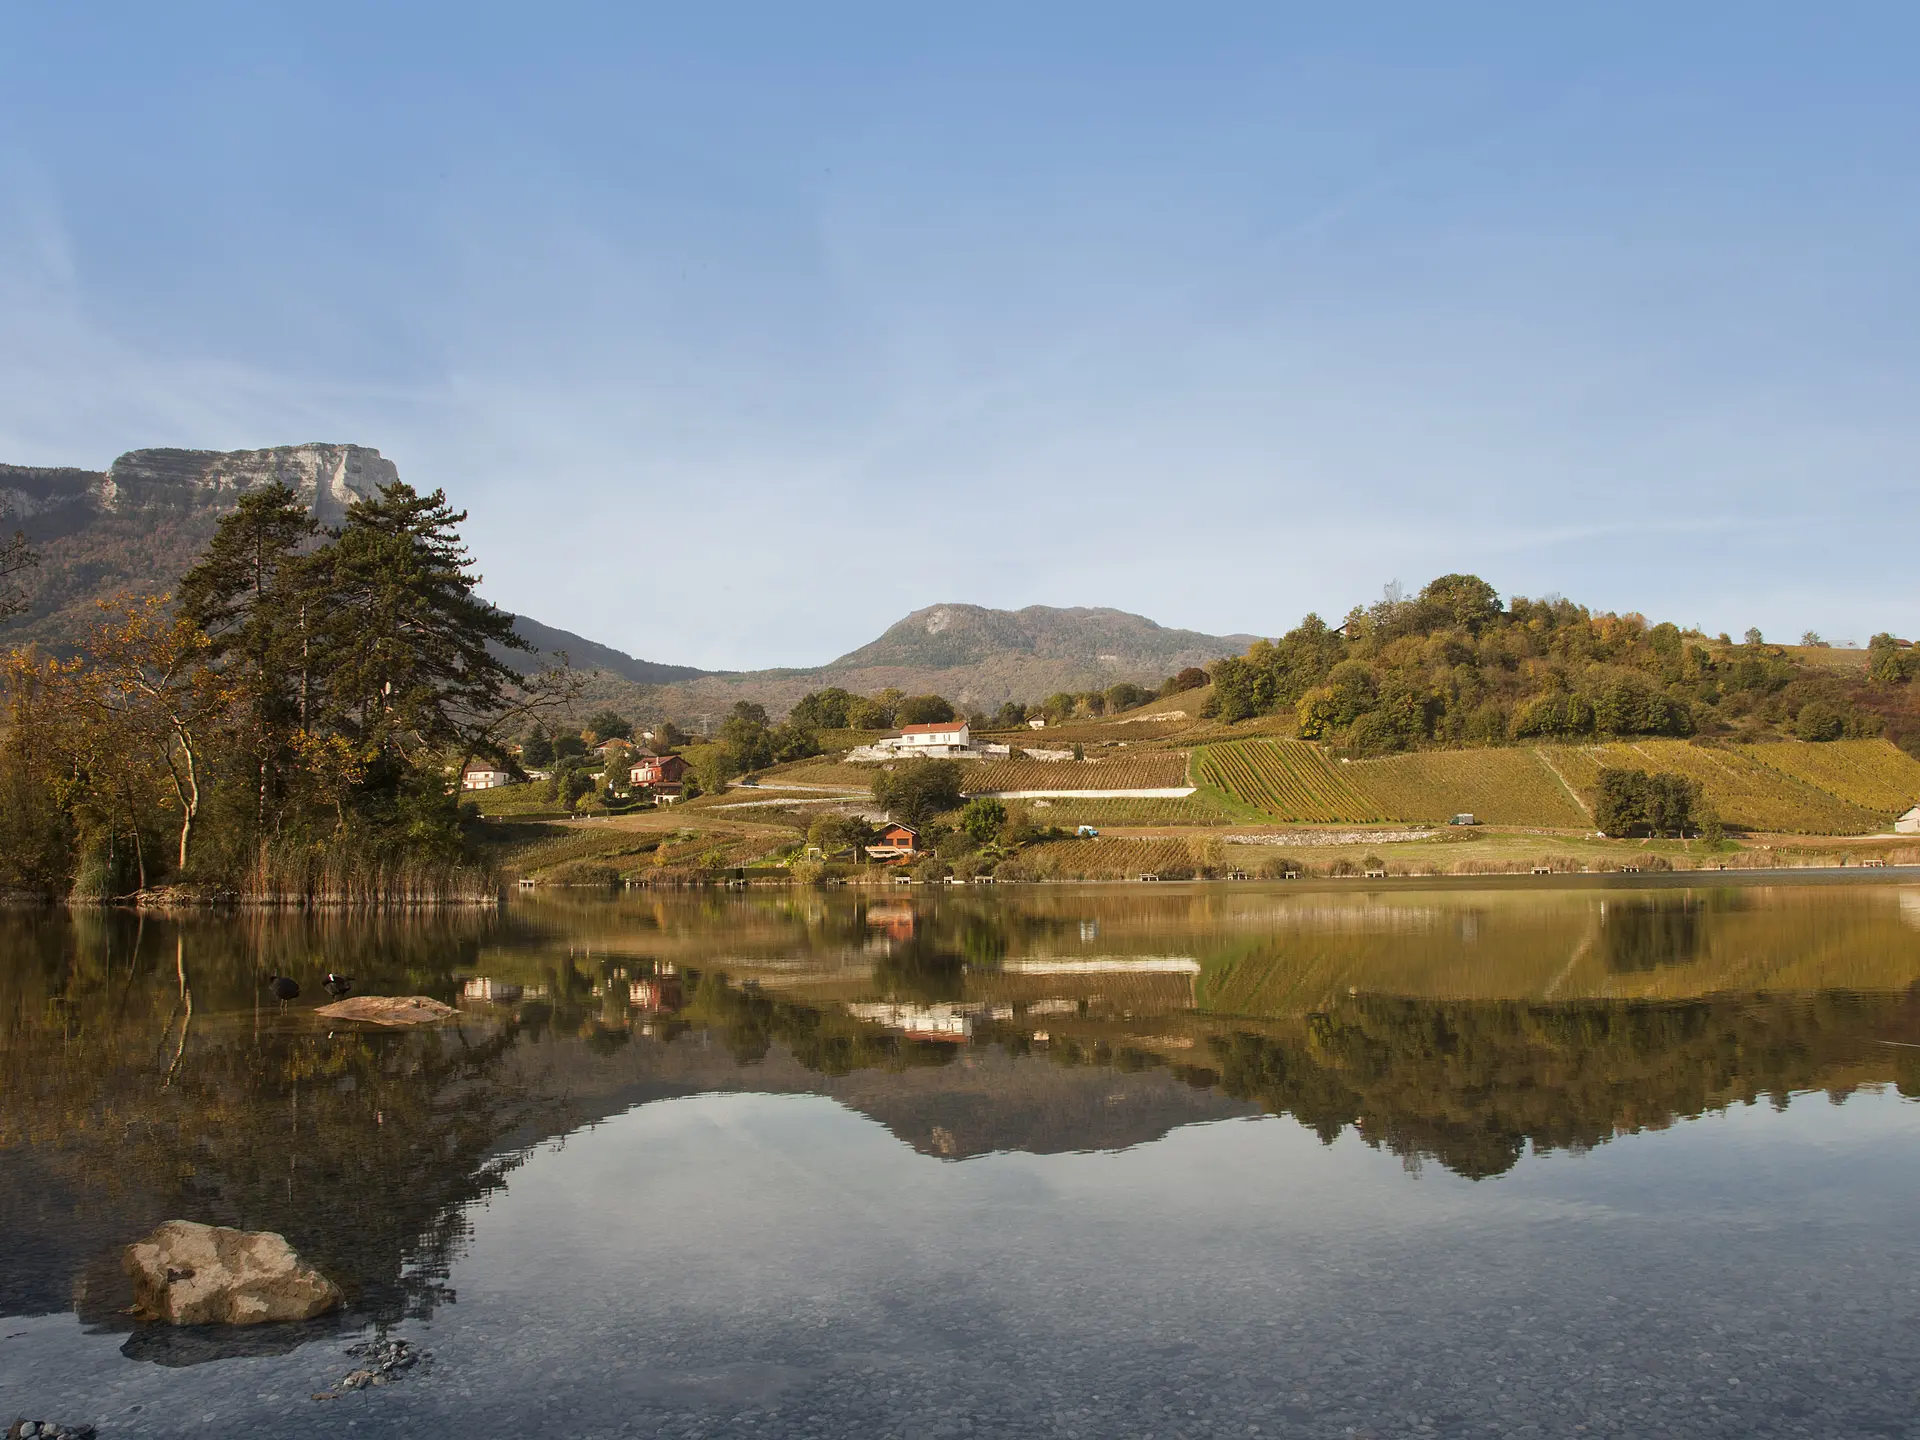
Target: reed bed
{"x": 309, "y": 875}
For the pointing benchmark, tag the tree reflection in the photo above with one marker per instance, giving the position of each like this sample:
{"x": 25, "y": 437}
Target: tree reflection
{"x": 1647, "y": 932}
{"x": 363, "y": 1148}
{"x": 142, "y": 1076}
{"x": 1473, "y": 1084}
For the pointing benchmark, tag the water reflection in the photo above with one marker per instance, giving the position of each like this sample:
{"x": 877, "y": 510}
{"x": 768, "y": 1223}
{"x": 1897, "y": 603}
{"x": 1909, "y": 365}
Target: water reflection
{"x": 145, "y": 1075}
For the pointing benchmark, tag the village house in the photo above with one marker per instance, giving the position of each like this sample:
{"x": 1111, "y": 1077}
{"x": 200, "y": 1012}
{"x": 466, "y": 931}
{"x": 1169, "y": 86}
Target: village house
{"x": 659, "y": 774}
{"x": 1909, "y": 823}
{"x": 656, "y": 770}
{"x": 939, "y": 738}
{"x": 897, "y": 843}
{"x": 942, "y": 740}
{"x": 484, "y": 775}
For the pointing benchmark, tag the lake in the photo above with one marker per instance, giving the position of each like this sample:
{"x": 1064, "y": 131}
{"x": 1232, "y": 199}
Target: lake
{"x": 1180, "y": 1160}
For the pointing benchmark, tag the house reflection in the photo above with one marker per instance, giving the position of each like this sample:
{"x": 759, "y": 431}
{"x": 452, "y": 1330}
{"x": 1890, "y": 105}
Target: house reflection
{"x": 923, "y": 1022}
{"x": 658, "y": 994}
{"x": 485, "y": 990}
{"x": 895, "y": 922}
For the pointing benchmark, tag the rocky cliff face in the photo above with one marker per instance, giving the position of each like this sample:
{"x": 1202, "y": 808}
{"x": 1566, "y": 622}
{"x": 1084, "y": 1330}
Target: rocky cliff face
{"x": 328, "y": 477}
{"x": 184, "y": 482}
{"x": 139, "y": 524}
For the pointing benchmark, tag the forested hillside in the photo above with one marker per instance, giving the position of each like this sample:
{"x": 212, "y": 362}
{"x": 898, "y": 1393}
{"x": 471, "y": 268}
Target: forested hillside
{"x": 1454, "y": 666}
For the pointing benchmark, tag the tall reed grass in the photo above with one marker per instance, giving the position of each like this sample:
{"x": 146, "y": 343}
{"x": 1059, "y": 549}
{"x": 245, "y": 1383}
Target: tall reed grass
{"x": 290, "y": 873}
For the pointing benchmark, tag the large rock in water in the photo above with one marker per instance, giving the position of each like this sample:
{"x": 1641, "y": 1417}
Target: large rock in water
{"x": 389, "y": 1010}
{"x": 191, "y": 1274}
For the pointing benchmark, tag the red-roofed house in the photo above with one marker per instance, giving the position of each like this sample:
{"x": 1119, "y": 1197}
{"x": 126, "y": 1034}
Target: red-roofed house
{"x": 897, "y": 842}
{"x": 657, "y": 770}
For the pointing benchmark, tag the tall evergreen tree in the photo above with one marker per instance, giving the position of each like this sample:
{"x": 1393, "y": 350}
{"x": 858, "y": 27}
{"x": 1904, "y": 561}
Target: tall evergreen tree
{"x": 253, "y": 593}
{"x": 410, "y": 653}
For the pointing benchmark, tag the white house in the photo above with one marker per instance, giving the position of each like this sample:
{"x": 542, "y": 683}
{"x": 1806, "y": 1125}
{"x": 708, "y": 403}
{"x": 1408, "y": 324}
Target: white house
{"x": 948, "y": 740}
{"x": 1909, "y": 823}
{"x": 484, "y": 776}
{"x": 946, "y": 737}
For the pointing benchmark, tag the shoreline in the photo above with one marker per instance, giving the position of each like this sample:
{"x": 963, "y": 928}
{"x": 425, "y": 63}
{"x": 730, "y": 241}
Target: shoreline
{"x": 1517, "y": 878}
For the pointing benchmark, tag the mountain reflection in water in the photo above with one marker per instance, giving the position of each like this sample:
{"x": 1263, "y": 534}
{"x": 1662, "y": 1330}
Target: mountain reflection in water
{"x": 145, "y": 1075}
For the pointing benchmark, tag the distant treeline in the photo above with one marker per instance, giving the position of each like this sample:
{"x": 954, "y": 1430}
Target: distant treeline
{"x": 1452, "y": 665}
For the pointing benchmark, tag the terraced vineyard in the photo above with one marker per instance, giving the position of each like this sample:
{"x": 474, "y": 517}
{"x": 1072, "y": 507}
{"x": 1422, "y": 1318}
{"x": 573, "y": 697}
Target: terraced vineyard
{"x": 1099, "y": 810}
{"x": 1873, "y": 774}
{"x": 1091, "y": 732}
{"x": 1110, "y": 859}
{"x": 1748, "y": 794}
{"x": 1148, "y": 770}
{"x": 1287, "y": 779}
{"x": 1501, "y": 787}
{"x": 829, "y": 774}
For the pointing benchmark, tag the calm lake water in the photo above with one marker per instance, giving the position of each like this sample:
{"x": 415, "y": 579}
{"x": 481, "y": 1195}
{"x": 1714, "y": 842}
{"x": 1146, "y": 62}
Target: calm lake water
{"x": 1179, "y": 1160}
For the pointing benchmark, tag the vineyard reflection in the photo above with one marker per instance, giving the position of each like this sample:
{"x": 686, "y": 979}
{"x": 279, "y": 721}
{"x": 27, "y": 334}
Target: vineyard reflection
{"x": 146, "y": 1075}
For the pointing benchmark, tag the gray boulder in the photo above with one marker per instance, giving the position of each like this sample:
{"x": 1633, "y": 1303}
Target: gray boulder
{"x": 190, "y": 1274}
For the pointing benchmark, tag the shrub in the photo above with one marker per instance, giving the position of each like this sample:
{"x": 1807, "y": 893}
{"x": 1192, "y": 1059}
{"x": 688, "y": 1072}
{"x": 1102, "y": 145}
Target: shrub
{"x": 982, "y": 819}
{"x": 1818, "y": 720}
{"x": 585, "y": 872}
{"x": 1374, "y": 734}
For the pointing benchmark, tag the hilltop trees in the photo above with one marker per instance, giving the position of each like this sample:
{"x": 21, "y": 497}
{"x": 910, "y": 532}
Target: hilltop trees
{"x": 1451, "y": 665}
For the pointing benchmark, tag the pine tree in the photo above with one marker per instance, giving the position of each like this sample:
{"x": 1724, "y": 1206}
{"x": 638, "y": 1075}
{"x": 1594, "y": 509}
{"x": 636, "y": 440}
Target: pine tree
{"x": 253, "y": 594}
{"x": 408, "y": 652}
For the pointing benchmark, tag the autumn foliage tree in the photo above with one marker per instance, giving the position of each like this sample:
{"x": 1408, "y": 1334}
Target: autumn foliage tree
{"x": 306, "y": 707}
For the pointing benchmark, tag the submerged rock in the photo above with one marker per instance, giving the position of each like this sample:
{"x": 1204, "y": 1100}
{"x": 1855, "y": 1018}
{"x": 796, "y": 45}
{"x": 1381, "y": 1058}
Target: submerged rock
{"x": 190, "y": 1274}
{"x": 382, "y": 1363}
{"x": 388, "y": 1010}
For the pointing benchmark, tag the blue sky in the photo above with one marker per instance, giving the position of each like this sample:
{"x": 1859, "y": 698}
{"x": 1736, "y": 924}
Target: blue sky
{"x": 743, "y": 330}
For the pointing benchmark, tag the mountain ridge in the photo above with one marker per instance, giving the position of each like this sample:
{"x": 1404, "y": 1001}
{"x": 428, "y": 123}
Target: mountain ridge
{"x": 950, "y": 635}
{"x": 138, "y": 525}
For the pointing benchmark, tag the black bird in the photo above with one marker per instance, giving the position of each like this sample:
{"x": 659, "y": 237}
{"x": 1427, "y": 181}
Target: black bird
{"x": 283, "y": 989}
{"x": 339, "y": 986}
